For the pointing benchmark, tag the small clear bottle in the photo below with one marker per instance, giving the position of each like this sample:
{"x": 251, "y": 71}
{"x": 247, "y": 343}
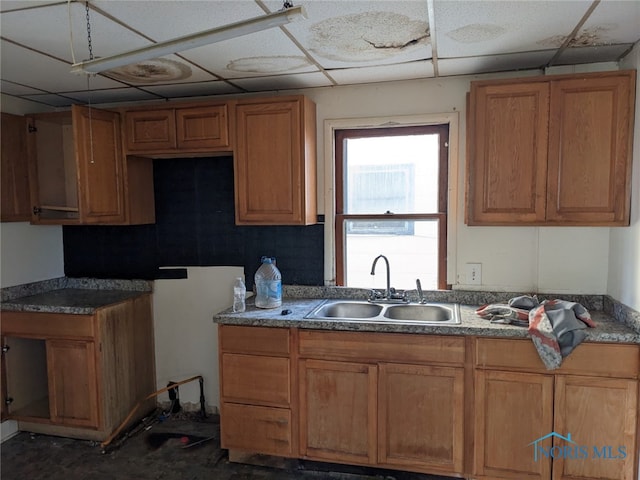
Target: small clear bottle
{"x": 239, "y": 294}
{"x": 268, "y": 284}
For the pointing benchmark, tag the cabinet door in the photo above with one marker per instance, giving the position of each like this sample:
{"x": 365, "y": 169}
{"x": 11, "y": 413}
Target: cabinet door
{"x": 16, "y": 200}
{"x": 601, "y": 415}
{"x": 150, "y": 130}
{"x": 202, "y": 127}
{"x": 512, "y": 410}
{"x": 73, "y": 397}
{"x": 100, "y": 166}
{"x": 420, "y": 419}
{"x": 590, "y": 150}
{"x": 275, "y": 163}
{"x": 507, "y": 164}
{"x": 338, "y": 404}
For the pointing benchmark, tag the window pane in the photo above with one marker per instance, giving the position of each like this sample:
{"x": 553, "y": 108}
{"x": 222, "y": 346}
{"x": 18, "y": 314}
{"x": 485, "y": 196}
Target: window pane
{"x": 411, "y": 247}
{"x": 394, "y": 173}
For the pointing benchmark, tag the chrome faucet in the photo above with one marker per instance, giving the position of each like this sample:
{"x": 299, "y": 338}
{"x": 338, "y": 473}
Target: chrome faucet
{"x": 390, "y": 294}
{"x": 421, "y": 298}
{"x": 373, "y": 272}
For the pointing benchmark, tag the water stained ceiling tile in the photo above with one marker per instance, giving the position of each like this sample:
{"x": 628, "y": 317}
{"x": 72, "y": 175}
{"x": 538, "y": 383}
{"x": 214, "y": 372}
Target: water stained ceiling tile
{"x": 383, "y": 73}
{"x": 604, "y": 25}
{"x": 469, "y": 28}
{"x": 355, "y": 34}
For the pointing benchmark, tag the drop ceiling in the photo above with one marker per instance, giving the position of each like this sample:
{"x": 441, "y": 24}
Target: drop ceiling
{"x": 343, "y": 42}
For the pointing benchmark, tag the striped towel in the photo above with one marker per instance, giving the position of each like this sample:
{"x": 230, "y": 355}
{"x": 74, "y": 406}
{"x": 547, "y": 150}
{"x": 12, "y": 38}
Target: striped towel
{"x": 556, "y": 326}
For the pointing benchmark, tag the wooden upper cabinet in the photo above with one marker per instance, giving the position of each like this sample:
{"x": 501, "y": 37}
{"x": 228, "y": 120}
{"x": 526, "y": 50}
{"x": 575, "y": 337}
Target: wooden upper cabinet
{"x": 507, "y": 176}
{"x": 16, "y": 201}
{"x": 188, "y": 129}
{"x": 275, "y": 161}
{"x": 590, "y": 134}
{"x": 550, "y": 150}
{"x": 78, "y": 174}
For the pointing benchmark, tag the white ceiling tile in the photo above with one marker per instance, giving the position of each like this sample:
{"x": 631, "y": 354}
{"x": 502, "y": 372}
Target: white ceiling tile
{"x": 193, "y": 89}
{"x": 113, "y": 95}
{"x": 468, "y": 28}
{"x": 48, "y": 30}
{"x": 384, "y": 73}
{"x": 51, "y": 99}
{"x": 284, "y": 82}
{"x": 493, "y": 63}
{"x": 603, "y": 53}
{"x": 16, "y": 89}
{"x": 23, "y": 66}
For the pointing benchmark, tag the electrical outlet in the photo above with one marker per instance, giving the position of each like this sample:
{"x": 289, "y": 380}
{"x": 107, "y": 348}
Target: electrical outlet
{"x": 474, "y": 274}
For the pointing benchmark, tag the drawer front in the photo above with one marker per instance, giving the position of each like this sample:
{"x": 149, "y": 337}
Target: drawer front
{"x": 382, "y": 347}
{"x": 601, "y": 359}
{"x": 255, "y": 379}
{"x": 254, "y": 340}
{"x": 256, "y": 429}
{"x": 47, "y": 325}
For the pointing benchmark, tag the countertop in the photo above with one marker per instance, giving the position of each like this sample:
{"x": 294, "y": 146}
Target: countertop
{"x": 68, "y": 300}
{"x": 608, "y": 329}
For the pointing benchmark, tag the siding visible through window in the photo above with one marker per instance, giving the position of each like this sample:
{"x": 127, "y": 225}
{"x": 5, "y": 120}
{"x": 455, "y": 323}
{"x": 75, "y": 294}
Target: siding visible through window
{"x": 391, "y": 199}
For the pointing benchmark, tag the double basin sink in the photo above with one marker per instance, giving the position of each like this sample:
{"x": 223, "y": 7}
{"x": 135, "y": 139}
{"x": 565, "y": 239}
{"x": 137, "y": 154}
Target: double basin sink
{"x": 406, "y": 313}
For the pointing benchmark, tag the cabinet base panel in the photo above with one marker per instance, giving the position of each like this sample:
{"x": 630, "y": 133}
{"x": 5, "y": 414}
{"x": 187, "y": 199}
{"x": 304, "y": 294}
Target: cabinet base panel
{"x": 294, "y": 464}
{"x": 61, "y": 431}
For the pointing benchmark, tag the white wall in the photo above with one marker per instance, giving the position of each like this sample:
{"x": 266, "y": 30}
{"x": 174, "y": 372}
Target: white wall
{"x": 186, "y": 339}
{"x": 624, "y": 255}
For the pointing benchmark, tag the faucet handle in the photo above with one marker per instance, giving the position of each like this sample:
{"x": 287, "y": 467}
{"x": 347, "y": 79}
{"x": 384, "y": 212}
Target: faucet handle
{"x": 421, "y": 298}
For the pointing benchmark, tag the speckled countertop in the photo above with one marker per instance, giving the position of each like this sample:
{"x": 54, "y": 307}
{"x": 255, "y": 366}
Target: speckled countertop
{"x": 66, "y": 295}
{"x": 608, "y": 328}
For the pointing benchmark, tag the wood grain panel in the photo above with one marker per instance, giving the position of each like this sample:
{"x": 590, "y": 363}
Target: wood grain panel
{"x": 421, "y": 417}
{"x": 601, "y": 415}
{"x": 255, "y": 379}
{"x": 382, "y": 347}
{"x": 253, "y": 428}
{"x": 600, "y": 359}
{"x": 254, "y": 340}
{"x": 46, "y": 325}
{"x": 202, "y": 127}
{"x": 512, "y": 410}
{"x": 338, "y": 405}
{"x": 16, "y": 199}
{"x": 150, "y": 130}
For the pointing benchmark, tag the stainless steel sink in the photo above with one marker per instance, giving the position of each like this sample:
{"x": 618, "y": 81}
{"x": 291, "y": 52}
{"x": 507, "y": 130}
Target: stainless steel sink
{"x": 411, "y": 314}
{"x": 422, "y": 312}
{"x": 348, "y": 310}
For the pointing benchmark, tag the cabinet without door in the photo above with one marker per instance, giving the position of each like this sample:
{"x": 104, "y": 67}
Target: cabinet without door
{"x": 78, "y": 174}
{"x": 551, "y": 150}
{"x": 78, "y": 375}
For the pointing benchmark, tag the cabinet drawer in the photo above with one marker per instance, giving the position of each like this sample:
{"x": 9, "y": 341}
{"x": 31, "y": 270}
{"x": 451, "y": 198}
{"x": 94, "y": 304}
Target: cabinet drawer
{"x": 254, "y": 340}
{"x": 382, "y": 347}
{"x": 601, "y": 359}
{"x": 255, "y": 379}
{"x": 257, "y": 429}
{"x": 43, "y": 325}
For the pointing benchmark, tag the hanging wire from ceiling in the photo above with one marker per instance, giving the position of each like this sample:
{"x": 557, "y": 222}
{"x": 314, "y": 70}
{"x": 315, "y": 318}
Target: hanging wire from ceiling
{"x": 90, "y": 48}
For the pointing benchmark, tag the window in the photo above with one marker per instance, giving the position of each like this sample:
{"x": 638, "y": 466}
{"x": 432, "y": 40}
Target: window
{"x": 391, "y": 199}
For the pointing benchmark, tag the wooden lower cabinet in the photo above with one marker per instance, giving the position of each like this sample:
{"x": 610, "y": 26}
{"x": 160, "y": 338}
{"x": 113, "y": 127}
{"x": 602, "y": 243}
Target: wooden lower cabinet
{"x": 578, "y": 422}
{"x": 512, "y": 410}
{"x": 338, "y": 407}
{"x": 420, "y": 417}
{"x": 78, "y": 375}
{"x": 72, "y": 383}
{"x": 601, "y": 415}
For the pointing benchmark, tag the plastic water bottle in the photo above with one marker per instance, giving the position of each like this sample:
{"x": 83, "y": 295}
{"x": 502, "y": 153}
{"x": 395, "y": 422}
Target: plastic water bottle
{"x": 268, "y": 284}
{"x": 239, "y": 293}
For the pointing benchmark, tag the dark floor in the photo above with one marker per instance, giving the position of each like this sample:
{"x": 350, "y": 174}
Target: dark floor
{"x": 159, "y": 453}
